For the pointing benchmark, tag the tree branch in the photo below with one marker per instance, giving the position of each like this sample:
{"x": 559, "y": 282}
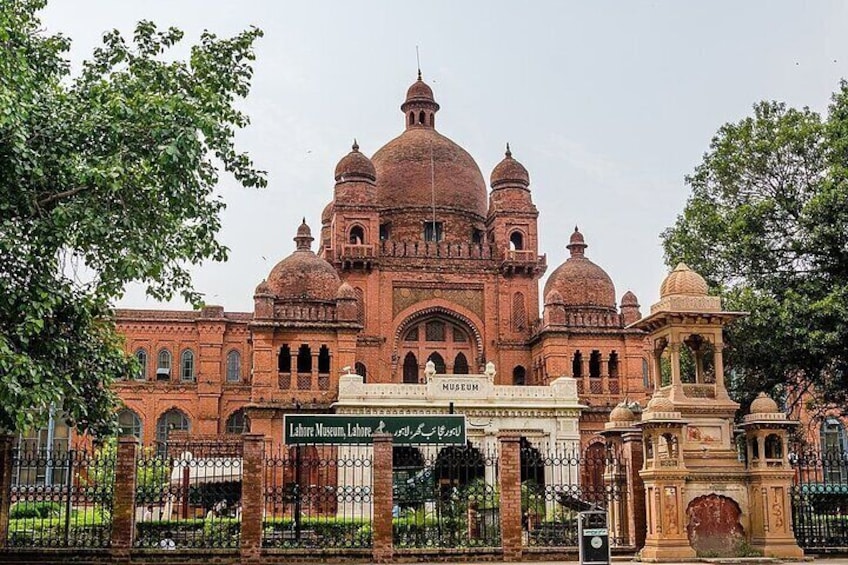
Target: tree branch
{"x": 59, "y": 196}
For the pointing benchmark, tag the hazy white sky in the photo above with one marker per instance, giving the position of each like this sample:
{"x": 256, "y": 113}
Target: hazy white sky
{"x": 608, "y": 104}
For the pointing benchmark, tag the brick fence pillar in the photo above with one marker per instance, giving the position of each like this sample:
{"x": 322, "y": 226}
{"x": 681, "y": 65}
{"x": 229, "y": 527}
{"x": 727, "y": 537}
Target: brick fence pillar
{"x": 382, "y": 550}
{"x": 252, "y": 497}
{"x": 123, "y": 498}
{"x": 5, "y": 485}
{"x": 510, "y": 486}
{"x": 633, "y": 458}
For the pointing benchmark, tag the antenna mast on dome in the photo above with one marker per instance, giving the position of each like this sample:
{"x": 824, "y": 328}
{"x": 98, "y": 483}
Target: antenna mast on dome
{"x": 418, "y": 62}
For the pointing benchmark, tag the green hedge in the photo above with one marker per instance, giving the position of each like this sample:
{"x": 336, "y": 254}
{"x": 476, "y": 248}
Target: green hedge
{"x": 327, "y": 531}
{"x": 215, "y": 532}
{"x": 43, "y": 509}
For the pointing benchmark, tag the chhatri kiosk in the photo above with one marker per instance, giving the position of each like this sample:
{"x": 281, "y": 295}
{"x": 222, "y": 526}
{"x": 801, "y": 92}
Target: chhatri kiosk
{"x": 700, "y": 498}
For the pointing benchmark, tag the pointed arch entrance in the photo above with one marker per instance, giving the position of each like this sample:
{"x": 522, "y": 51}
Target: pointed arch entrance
{"x": 441, "y": 336}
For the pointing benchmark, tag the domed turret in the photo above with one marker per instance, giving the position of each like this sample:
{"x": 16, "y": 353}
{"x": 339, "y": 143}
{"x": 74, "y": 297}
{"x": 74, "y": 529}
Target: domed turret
{"x": 582, "y": 284}
{"x": 420, "y": 106}
{"x": 303, "y": 275}
{"x": 346, "y": 292}
{"x": 355, "y": 167}
{"x": 683, "y": 281}
{"x": 764, "y": 404}
{"x": 622, "y": 413}
{"x": 509, "y": 172}
{"x": 630, "y": 308}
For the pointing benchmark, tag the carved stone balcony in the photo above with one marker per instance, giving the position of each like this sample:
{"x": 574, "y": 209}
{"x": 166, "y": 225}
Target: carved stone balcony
{"x": 523, "y": 262}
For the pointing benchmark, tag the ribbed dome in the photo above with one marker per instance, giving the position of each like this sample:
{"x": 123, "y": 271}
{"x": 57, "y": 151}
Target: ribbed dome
{"x": 346, "y": 292}
{"x": 303, "y": 275}
{"x": 581, "y": 283}
{"x": 683, "y": 280}
{"x": 621, "y": 413}
{"x": 660, "y": 404}
{"x": 553, "y": 297}
{"x": 629, "y": 299}
{"x": 355, "y": 166}
{"x": 327, "y": 213}
{"x": 764, "y": 404}
{"x": 509, "y": 172}
{"x": 420, "y": 91}
{"x": 421, "y": 165}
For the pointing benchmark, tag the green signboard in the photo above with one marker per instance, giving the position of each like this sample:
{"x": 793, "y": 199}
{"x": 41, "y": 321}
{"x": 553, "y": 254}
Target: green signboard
{"x": 341, "y": 428}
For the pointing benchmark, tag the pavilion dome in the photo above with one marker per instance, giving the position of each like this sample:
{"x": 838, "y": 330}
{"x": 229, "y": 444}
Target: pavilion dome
{"x": 580, "y": 282}
{"x": 303, "y": 275}
{"x": 683, "y": 281}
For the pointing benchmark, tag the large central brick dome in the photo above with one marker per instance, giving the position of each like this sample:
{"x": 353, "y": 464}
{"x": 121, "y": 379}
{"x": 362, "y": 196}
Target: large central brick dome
{"x": 421, "y": 167}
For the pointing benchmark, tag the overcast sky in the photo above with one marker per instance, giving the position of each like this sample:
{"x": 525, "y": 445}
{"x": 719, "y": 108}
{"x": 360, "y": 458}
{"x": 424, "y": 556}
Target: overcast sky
{"x": 608, "y": 104}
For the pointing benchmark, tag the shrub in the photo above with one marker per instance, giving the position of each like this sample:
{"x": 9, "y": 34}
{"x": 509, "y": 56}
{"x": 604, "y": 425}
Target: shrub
{"x": 32, "y": 510}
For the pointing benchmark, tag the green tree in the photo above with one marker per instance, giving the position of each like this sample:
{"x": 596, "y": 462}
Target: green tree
{"x": 105, "y": 178}
{"x": 767, "y": 225}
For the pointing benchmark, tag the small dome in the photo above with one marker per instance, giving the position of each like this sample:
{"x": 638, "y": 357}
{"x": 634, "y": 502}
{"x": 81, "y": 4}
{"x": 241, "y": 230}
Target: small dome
{"x": 262, "y": 288}
{"x": 683, "y": 280}
{"x": 582, "y": 283}
{"x": 509, "y": 171}
{"x": 553, "y": 297}
{"x": 420, "y": 91}
{"x": 355, "y": 166}
{"x": 303, "y": 275}
{"x": 327, "y": 214}
{"x": 346, "y": 292}
{"x": 621, "y": 413}
{"x": 629, "y": 299}
{"x": 660, "y": 404}
{"x": 764, "y": 404}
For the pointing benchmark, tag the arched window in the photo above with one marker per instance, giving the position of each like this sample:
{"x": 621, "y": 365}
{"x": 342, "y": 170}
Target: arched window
{"x": 519, "y": 312}
{"x": 519, "y": 376}
{"x": 774, "y": 447}
{"x": 238, "y": 423}
{"x": 422, "y": 118}
{"x": 516, "y": 241}
{"x": 173, "y": 420}
{"x": 163, "y": 367}
{"x": 646, "y": 375}
{"x": 284, "y": 360}
{"x": 577, "y": 365}
{"x": 439, "y": 362}
{"x": 141, "y": 359}
{"x": 187, "y": 366}
{"x": 233, "y": 367}
{"x": 129, "y": 424}
{"x": 410, "y": 368}
{"x": 595, "y": 364}
{"x": 304, "y": 359}
{"x": 356, "y": 236}
{"x": 360, "y": 305}
{"x": 613, "y": 365}
{"x": 411, "y": 118}
{"x": 435, "y": 331}
{"x": 324, "y": 360}
{"x": 833, "y": 446}
{"x": 361, "y": 370}
{"x": 460, "y": 364}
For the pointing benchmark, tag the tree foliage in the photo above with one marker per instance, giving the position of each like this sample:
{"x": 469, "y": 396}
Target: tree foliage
{"x": 106, "y": 178}
{"x": 767, "y": 225}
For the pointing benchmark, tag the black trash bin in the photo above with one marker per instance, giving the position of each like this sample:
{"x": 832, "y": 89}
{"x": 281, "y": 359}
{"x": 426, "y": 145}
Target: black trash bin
{"x": 593, "y": 537}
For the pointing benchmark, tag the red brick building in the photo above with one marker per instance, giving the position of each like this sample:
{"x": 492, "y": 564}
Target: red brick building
{"x": 415, "y": 261}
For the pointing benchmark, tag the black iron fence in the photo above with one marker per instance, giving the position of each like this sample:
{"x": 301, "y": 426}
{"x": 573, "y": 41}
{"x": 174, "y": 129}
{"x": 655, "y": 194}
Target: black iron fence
{"x": 557, "y": 486}
{"x": 61, "y": 498}
{"x": 318, "y": 497}
{"x": 445, "y": 497}
{"x": 820, "y": 499}
{"x": 188, "y": 496}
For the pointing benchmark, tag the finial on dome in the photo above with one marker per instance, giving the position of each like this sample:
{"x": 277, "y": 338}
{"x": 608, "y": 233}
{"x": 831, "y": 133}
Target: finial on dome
{"x": 419, "y": 74}
{"x": 576, "y": 244}
{"x": 304, "y": 238}
{"x": 508, "y": 153}
{"x": 355, "y": 145}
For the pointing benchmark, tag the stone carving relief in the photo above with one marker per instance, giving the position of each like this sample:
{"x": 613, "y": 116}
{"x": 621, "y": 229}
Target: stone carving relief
{"x": 404, "y": 297}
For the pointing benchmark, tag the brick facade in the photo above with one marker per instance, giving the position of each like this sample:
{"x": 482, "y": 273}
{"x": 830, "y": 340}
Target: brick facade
{"x": 386, "y": 289}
